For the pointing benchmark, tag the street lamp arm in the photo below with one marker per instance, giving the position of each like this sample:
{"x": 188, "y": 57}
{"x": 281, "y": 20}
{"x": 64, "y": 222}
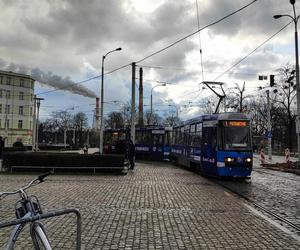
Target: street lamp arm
{"x": 279, "y": 16}
{"x": 111, "y": 52}
{"x": 163, "y": 84}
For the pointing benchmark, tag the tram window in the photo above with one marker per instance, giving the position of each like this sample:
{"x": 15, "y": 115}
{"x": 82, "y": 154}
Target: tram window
{"x": 168, "y": 137}
{"x": 157, "y": 139}
{"x": 177, "y": 136}
{"x": 181, "y": 135}
{"x": 186, "y": 134}
{"x": 107, "y": 137}
{"x": 192, "y": 134}
{"x": 174, "y": 136}
{"x": 236, "y": 137}
{"x": 147, "y": 137}
{"x": 210, "y": 137}
{"x": 139, "y": 137}
{"x": 198, "y": 135}
{"x": 114, "y": 137}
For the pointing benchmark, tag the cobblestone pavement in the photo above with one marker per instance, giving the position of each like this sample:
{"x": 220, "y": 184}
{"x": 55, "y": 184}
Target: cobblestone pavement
{"x": 157, "y": 206}
{"x": 275, "y": 190}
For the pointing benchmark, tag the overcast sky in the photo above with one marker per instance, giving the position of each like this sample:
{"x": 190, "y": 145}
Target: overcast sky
{"x": 63, "y": 41}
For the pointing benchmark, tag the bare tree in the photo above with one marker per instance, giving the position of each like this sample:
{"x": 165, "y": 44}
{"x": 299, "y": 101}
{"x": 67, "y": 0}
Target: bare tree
{"x": 114, "y": 120}
{"x": 285, "y": 95}
{"x": 80, "y": 122}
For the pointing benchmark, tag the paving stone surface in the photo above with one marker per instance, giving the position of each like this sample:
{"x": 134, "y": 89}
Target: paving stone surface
{"x": 157, "y": 206}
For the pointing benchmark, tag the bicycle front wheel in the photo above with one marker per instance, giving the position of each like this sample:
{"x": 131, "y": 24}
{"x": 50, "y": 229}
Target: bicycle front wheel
{"x": 39, "y": 237}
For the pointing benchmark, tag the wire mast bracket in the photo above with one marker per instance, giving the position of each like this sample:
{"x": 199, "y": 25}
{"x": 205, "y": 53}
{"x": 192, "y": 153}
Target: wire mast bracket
{"x": 221, "y": 96}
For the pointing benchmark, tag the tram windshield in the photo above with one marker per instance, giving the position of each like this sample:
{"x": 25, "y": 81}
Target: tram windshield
{"x": 235, "y": 135}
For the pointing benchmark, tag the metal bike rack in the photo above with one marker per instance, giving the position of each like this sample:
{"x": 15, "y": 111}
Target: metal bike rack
{"x": 49, "y": 215}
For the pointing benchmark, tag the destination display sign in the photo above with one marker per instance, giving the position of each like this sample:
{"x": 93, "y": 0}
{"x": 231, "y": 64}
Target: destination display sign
{"x": 235, "y": 123}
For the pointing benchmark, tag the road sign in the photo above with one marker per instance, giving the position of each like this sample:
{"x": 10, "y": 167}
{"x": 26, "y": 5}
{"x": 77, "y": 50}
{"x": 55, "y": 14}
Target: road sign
{"x": 268, "y": 134}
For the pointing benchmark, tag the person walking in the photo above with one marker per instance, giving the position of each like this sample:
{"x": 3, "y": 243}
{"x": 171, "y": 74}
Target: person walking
{"x": 1, "y": 146}
{"x": 85, "y": 149}
{"x": 131, "y": 153}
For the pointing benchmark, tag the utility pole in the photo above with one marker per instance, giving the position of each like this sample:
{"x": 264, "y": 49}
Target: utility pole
{"x": 141, "y": 118}
{"x": 133, "y": 104}
{"x": 34, "y": 124}
{"x": 269, "y": 134}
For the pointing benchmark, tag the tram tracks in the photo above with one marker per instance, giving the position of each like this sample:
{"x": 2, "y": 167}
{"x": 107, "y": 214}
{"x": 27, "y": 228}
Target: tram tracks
{"x": 294, "y": 226}
{"x": 268, "y": 173}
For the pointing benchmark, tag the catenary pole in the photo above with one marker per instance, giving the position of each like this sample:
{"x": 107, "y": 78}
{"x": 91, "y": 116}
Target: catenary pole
{"x": 133, "y": 104}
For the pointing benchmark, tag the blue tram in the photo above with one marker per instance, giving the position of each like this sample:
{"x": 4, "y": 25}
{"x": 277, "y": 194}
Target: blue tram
{"x": 215, "y": 145}
{"x": 151, "y": 142}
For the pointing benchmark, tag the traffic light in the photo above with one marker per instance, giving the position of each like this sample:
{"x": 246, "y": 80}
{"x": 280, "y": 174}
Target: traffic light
{"x": 272, "y": 82}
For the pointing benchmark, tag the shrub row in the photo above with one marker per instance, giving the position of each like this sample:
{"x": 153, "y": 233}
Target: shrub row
{"x": 62, "y": 160}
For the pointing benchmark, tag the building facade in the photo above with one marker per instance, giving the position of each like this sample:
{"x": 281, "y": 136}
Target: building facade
{"x": 16, "y": 107}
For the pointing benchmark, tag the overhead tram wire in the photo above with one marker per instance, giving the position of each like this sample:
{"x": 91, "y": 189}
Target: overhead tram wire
{"x": 195, "y": 32}
{"x": 238, "y": 62}
{"x": 245, "y": 57}
{"x": 184, "y": 69}
{"x": 200, "y": 49}
{"x": 155, "y": 53}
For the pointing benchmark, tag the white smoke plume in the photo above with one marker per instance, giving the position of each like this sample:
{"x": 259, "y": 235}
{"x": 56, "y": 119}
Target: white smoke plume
{"x": 49, "y": 79}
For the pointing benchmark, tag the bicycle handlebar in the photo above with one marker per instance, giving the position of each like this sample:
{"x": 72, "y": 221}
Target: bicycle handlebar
{"x": 43, "y": 176}
{"x": 40, "y": 178}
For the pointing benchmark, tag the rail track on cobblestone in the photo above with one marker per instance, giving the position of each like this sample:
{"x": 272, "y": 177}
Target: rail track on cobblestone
{"x": 262, "y": 208}
{"x": 268, "y": 173}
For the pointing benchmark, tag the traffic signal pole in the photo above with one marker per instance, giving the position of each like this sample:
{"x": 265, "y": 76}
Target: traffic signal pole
{"x": 269, "y": 134}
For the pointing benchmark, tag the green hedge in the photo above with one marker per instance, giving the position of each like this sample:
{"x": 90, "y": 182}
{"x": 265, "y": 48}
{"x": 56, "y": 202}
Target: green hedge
{"x": 62, "y": 160}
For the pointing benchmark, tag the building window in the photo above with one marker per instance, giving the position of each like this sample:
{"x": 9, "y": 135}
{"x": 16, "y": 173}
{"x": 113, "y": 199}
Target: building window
{"x": 0, "y": 124}
{"x": 21, "y": 108}
{"x": 30, "y": 125}
{"x": 30, "y": 111}
{"x": 8, "y": 80}
{"x": 21, "y": 96}
{"x": 20, "y": 124}
{"x": 0, "y": 108}
{"x": 1, "y": 79}
{"x": 32, "y": 84}
{"x": 22, "y": 83}
{"x": 7, "y": 108}
{"x": 7, "y": 94}
{"x": 7, "y": 124}
{"x": 1, "y": 93}
{"x": 31, "y": 97}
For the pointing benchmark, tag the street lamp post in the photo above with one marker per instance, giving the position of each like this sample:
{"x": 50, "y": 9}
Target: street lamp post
{"x": 162, "y": 84}
{"x": 101, "y": 95}
{"x": 38, "y": 103}
{"x": 295, "y": 18}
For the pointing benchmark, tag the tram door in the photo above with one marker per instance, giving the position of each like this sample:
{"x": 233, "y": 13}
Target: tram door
{"x": 209, "y": 149}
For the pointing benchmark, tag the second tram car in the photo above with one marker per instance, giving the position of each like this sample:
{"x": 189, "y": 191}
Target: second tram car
{"x": 151, "y": 143}
{"x": 216, "y": 145}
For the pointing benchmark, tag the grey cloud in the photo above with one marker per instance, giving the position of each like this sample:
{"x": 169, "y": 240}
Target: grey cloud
{"x": 256, "y": 19}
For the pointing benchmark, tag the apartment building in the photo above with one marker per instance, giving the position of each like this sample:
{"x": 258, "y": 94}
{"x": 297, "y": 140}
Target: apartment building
{"x": 16, "y": 107}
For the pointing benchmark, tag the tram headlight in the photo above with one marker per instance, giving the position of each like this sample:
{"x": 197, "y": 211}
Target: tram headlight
{"x": 248, "y": 160}
{"x": 229, "y": 159}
